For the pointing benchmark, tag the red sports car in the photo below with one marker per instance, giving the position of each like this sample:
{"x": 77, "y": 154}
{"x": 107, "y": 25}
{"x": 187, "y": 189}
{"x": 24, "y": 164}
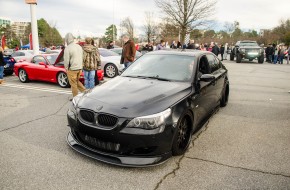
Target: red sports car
{"x": 46, "y": 67}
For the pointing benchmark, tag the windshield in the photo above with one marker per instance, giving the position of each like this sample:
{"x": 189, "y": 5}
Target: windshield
{"x": 162, "y": 67}
{"x": 248, "y": 44}
{"x": 107, "y": 53}
{"x": 51, "y": 58}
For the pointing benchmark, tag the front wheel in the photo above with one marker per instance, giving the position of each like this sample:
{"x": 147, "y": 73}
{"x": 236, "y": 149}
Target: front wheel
{"x": 23, "y": 77}
{"x": 261, "y": 59}
{"x": 239, "y": 58}
{"x": 111, "y": 70}
{"x": 62, "y": 80}
{"x": 183, "y": 134}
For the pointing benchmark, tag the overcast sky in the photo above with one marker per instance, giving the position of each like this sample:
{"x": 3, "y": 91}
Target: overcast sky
{"x": 92, "y": 17}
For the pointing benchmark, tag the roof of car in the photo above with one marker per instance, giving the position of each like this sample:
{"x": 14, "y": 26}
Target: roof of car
{"x": 187, "y": 52}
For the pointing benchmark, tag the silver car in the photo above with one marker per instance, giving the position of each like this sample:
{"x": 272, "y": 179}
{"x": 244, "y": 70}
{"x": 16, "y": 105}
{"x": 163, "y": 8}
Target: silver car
{"x": 110, "y": 62}
{"x": 24, "y": 55}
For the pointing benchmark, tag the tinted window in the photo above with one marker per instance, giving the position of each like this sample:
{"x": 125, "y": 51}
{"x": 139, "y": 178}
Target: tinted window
{"x": 213, "y": 63}
{"x": 248, "y": 44}
{"x": 16, "y": 54}
{"x": 170, "y": 67}
{"x": 107, "y": 53}
{"x": 37, "y": 59}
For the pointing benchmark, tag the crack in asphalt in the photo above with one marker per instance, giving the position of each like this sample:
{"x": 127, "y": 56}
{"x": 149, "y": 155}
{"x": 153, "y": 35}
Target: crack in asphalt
{"x": 35, "y": 119}
{"x": 195, "y": 137}
{"x": 238, "y": 167}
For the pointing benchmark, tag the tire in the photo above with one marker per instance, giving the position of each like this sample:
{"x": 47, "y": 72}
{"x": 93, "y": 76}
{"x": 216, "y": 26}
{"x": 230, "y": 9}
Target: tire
{"x": 111, "y": 70}
{"x": 225, "y": 95}
{"x": 261, "y": 59}
{"x": 182, "y": 137}
{"x": 232, "y": 57}
{"x": 62, "y": 80}
{"x": 22, "y": 75}
{"x": 239, "y": 58}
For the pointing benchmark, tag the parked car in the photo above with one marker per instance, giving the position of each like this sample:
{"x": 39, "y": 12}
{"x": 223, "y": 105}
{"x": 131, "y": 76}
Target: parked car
{"x": 119, "y": 51}
{"x": 247, "y": 50}
{"x": 164, "y": 97}
{"x": 9, "y": 66}
{"x": 46, "y": 67}
{"x": 24, "y": 55}
{"x": 8, "y": 51}
{"x": 110, "y": 63}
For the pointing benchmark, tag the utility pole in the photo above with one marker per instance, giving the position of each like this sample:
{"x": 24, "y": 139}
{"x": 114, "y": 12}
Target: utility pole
{"x": 113, "y": 21}
{"x": 34, "y": 29}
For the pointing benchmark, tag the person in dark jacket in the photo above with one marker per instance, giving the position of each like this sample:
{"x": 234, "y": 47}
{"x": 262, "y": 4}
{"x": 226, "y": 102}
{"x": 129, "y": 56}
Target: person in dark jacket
{"x": 110, "y": 45}
{"x": 129, "y": 51}
{"x": 222, "y": 51}
{"x": 191, "y": 45}
{"x": 215, "y": 49}
{"x": 2, "y": 63}
{"x": 267, "y": 52}
{"x": 271, "y": 53}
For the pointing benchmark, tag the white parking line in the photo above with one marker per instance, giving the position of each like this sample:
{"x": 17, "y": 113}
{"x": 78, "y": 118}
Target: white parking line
{"x": 36, "y": 88}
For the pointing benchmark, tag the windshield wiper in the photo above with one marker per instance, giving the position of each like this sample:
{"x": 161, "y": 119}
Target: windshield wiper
{"x": 132, "y": 76}
{"x": 157, "y": 78}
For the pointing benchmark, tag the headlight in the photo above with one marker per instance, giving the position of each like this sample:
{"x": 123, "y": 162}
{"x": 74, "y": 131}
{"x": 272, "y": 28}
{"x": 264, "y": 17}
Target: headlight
{"x": 76, "y": 100}
{"x": 151, "y": 121}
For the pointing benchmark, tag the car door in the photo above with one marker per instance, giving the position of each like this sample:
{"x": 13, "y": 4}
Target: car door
{"x": 204, "y": 96}
{"x": 215, "y": 68}
{"x": 39, "y": 71}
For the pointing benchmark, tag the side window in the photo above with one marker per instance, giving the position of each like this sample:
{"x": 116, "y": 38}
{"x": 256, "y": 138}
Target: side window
{"x": 203, "y": 67}
{"x": 37, "y": 59}
{"x": 217, "y": 62}
{"x": 21, "y": 54}
{"x": 213, "y": 64}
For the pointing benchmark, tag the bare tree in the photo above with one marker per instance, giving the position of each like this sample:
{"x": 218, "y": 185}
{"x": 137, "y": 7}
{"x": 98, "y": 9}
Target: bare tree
{"x": 187, "y": 14}
{"x": 150, "y": 26}
{"x": 128, "y": 26}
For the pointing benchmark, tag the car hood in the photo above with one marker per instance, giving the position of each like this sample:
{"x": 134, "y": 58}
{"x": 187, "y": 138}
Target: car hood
{"x": 133, "y": 97}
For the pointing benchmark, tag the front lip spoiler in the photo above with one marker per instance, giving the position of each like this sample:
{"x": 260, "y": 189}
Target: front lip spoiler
{"x": 125, "y": 161}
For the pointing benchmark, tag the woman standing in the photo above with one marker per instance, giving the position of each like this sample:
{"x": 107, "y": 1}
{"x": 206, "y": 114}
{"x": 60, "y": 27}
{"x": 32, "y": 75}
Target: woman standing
{"x": 1, "y": 65}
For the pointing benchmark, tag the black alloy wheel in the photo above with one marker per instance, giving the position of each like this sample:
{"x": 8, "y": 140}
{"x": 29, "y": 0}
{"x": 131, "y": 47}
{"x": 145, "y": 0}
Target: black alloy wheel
{"x": 225, "y": 95}
{"x": 261, "y": 59}
{"x": 239, "y": 58}
{"x": 183, "y": 134}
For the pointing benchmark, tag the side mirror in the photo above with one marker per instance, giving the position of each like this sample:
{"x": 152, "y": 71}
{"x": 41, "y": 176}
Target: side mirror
{"x": 207, "y": 78}
{"x": 42, "y": 63}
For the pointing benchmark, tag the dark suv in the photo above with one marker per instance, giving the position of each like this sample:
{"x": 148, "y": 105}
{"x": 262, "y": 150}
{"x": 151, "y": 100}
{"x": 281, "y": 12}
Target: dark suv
{"x": 247, "y": 50}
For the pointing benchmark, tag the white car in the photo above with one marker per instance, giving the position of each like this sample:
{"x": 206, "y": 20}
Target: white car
{"x": 24, "y": 55}
{"x": 110, "y": 63}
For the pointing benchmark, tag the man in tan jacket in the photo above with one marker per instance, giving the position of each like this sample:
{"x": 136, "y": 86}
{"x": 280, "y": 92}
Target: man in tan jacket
{"x": 73, "y": 63}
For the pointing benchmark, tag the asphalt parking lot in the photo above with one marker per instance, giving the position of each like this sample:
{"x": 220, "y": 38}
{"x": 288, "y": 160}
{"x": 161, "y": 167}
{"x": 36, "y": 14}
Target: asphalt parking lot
{"x": 243, "y": 146}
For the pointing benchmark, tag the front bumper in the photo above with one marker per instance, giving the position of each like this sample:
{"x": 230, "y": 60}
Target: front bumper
{"x": 114, "y": 159}
{"x": 117, "y": 148}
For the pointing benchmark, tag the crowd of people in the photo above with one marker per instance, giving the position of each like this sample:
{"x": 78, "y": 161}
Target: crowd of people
{"x": 277, "y": 53}
{"x": 87, "y": 59}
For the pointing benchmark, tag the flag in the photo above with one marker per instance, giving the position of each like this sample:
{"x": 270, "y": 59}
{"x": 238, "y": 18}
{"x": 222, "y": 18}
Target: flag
{"x": 30, "y": 41}
{"x": 21, "y": 43}
{"x": 186, "y": 40}
{"x": 3, "y": 42}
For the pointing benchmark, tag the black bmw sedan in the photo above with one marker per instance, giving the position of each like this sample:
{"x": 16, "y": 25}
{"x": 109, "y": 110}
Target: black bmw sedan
{"x": 151, "y": 111}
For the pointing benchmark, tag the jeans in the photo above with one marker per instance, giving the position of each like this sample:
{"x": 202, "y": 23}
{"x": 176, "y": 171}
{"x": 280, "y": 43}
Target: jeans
{"x": 281, "y": 58}
{"x": 73, "y": 77}
{"x": 127, "y": 64}
{"x": 222, "y": 56}
{"x": 275, "y": 59}
{"x": 270, "y": 58}
{"x": 89, "y": 79}
{"x": 1, "y": 72}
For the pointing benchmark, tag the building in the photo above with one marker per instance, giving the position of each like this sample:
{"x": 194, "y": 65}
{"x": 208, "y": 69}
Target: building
{"x": 19, "y": 28}
{"x": 4, "y": 22}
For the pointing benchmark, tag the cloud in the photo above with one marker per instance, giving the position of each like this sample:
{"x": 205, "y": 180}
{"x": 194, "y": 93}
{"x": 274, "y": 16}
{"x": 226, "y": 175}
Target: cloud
{"x": 92, "y": 17}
